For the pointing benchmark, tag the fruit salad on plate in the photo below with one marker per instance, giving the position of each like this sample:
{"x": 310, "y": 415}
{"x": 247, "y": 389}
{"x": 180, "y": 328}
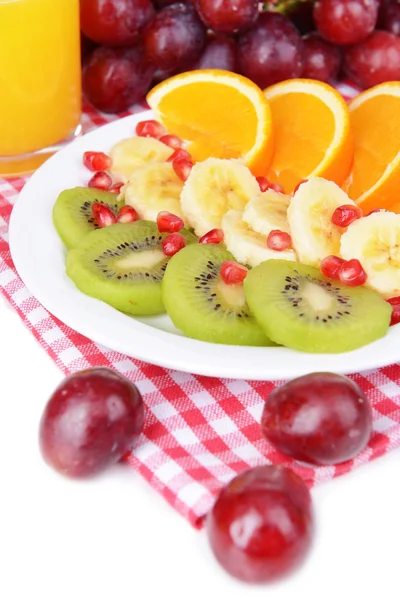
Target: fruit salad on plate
{"x": 252, "y": 225}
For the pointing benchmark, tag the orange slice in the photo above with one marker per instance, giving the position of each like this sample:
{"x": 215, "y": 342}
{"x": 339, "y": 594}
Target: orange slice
{"x": 312, "y": 133}
{"x": 221, "y": 114}
{"x": 375, "y": 119}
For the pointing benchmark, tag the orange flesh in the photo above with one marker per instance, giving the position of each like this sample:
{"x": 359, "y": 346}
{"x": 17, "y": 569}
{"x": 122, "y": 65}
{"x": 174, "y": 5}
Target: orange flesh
{"x": 376, "y": 135}
{"x": 189, "y": 112}
{"x": 303, "y": 128}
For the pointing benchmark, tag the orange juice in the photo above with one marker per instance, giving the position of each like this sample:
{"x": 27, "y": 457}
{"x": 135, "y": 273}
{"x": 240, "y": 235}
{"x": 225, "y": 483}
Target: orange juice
{"x": 40, "y": 80}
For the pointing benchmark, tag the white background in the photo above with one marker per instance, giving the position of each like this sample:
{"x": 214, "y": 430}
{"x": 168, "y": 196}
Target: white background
{"x": 115, "y": 538}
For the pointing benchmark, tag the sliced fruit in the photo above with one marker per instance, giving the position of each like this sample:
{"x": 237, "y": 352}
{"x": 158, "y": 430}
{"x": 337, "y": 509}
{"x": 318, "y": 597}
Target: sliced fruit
{"x": 132, "y": 153}
{"x": 314, "y": 236}
{"x": 153, "y": 188}
{"x": 201, "y": 305}
{"x": 72, "y": 212}
{"x": 123, "y": 265}
{"x": 375, "y": 120}
{"x": 312, "y": 133}
{"x": 213, "y": 187}
{"x": 222, "y": 114}
{"x": 300, "y": 308}
{"x": 375, "y": 242}
{"x": 268, "y": 211}
{"x": 246, "y": 245}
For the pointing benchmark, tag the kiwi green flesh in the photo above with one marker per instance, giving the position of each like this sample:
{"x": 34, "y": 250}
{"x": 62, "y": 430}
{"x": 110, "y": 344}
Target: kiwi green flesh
{"x": 201, "y": 305}
{"x": 72, "y": 212}
{"x": 300, "y": 308}
{"x": 123, "y": 265}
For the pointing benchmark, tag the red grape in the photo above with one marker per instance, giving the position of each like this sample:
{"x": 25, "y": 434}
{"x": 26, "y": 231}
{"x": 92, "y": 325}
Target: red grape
{"x": 321, "y": 59}
{"x": 220, "y": 52}
{"x": 373, "y": 61}
{"x": 163, "y": 3}
{"x": 115, "y": 78}
{"x": 90, "y": 422}
{"x": 228, "y": 16}
{"x": 272, "y": 51}
{"x": 174, "y": 38}
{"x": 345, "y": 21}
{"x": 389, "y": 16}
{"x": 162, "y": 75}
{"x": 321, "y": 418}
{"x": 114, "y": 22}
{"x": 261, "y": 525}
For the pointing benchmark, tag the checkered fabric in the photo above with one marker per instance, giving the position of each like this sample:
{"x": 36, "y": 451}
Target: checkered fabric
{"x": 199, "y": 431}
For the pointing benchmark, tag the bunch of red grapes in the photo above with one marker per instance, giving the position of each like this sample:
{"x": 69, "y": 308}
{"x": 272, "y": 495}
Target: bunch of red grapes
{"x": 130, "y": 45}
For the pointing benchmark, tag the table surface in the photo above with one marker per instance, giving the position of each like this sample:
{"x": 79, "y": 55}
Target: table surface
{"x": 115, "y": 538}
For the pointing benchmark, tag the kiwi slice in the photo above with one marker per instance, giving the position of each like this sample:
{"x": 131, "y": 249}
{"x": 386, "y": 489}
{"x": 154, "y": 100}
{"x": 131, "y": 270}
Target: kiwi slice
{"x": 201, "y": 305}
{"x": 123, "y": 265}
{"x": 300, "y": 308}
{"x": 72, "y": 212}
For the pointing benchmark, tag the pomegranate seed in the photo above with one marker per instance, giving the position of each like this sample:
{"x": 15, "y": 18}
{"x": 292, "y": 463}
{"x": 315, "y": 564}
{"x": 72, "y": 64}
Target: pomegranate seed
{"x": 351, "y": 273}
{"x": 278, "y": 240}
{"x": 395, "y": 302}
{"x": 150, "y": 128}
{"x": 344, "y": 215}
{"x": 173, "y": 243}
{"x": 116, "y": 188}
{"x": 182, "y": 167}
{"x": 298, "y": 185}
{"x": 375, "y": 210}
{"x": 127, "y": 214}
{"x": 215, "y": 236}
{"x": 276, "y": 187}
{"x": 169, "y": 223}
{"x": 232, "y": 273}
{"x": 103, "y": 215}
{"x": 330, "y": 266}
{"x": 96, "y": 161}
{"x": 101, "y": 181}
{"x": 179, "y": 153}
{"x": 172, "y": 141}
{"x": 263, "y": 183}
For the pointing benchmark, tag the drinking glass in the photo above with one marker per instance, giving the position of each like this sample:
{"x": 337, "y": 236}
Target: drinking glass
{"x": 40, "y": 81}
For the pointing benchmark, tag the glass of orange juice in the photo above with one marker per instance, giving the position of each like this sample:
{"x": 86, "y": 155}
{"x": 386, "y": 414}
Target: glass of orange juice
{"x": 40, "y": 81}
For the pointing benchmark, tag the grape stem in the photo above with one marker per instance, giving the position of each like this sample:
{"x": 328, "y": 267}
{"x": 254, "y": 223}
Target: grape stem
{"x": 282, "y": 6}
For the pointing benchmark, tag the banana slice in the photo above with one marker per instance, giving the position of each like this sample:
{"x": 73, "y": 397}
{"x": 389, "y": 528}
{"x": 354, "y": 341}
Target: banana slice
{"x": 152, "y": 188}
{"x": 247, "y": 246}
{"x": 314, "y": 236}
{"x": 267, "y": 212}
{"x": 135, "y": 152}
{"x": 213, "y": 187}
{"x": 375, "y": 241}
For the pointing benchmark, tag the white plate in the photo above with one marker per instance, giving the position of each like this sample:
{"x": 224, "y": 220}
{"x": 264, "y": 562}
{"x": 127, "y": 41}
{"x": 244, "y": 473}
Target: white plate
{"x": 40, "y": 260}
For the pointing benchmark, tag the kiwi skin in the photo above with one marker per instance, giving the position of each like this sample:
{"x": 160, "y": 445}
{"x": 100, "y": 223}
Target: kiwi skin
{"x": 274, "y": 292}
{"x": 72, "y": 212}
{"x": 191, "y": 292}
{"x": 93, "y": 266}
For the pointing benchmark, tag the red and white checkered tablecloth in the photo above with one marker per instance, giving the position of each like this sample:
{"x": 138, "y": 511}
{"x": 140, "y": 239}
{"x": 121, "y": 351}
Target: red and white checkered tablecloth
{"x": 199, "y": 431}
